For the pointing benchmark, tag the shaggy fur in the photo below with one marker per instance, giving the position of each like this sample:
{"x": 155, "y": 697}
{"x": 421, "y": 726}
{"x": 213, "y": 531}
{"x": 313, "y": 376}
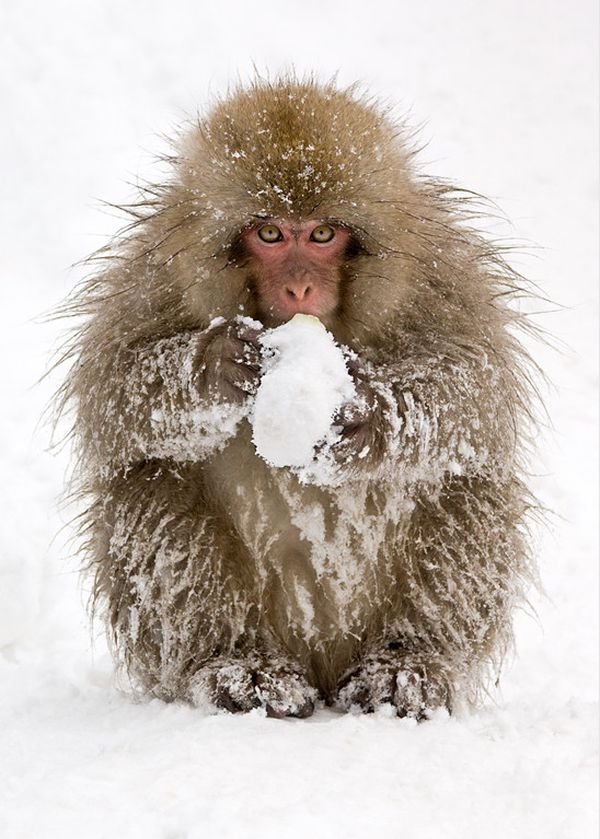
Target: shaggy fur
{"x": 395, "y": 578}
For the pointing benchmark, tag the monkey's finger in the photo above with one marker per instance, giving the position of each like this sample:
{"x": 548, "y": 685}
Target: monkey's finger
{"x": 355, "y": 367}
{"x": 352, "y": 414}
{"x": 250, "y": 334}
{"x": 243, "y": 352}
{"x": 251, "y": 356}
{"x": 243, "y": 378}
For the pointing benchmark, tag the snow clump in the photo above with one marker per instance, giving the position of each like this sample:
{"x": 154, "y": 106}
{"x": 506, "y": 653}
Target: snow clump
{"x": 305, "y": 381}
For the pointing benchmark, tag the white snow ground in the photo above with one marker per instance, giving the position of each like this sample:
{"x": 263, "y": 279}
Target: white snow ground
{"x": 508, "y": 92}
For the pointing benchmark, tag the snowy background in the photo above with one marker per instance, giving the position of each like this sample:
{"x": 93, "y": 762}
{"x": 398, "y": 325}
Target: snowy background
{"x": 506, "y": 96}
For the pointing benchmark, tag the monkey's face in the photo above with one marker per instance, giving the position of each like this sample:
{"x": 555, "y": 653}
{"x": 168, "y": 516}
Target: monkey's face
{"x": 296, "y": 266}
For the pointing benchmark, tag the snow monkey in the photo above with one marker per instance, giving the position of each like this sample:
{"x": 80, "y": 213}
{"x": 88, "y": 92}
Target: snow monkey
{"x": 390, "y": 574}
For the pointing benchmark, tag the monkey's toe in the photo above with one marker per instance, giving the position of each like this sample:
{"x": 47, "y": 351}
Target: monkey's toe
{"x": 226, "y": 684}
{"x": 285, "y": 694}
{"x": 367, "y": 687}
{"x": 417, "y": 695}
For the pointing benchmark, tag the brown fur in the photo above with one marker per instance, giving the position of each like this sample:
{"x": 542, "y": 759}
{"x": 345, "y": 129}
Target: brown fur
{"x": 221, "y": 576}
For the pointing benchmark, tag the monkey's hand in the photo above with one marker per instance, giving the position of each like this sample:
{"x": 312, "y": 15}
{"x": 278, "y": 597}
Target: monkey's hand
{"x": 361, "y": 423}
{"x": 231, "y": 362}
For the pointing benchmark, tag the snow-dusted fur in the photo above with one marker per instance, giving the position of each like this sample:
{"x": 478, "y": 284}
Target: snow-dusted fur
{"x": 386, "y": 577}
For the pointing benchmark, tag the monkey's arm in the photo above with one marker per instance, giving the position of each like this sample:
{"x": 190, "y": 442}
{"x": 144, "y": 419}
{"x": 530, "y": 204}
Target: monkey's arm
{"x": 429, "y": 416}
{"x": 180, "y": 397}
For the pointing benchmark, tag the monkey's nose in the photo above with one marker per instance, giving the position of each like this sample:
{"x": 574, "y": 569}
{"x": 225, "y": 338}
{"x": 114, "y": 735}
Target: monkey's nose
{"x": 298, "y": 292}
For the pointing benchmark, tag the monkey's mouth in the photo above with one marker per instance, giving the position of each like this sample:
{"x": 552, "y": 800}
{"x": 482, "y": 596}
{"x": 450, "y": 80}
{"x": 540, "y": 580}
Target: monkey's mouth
{"x": 282, "y": 311}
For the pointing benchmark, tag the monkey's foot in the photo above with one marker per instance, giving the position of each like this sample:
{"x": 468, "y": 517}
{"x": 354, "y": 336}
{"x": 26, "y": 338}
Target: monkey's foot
{"x": 239, "y": 685}
{"x": 414, "y": 690}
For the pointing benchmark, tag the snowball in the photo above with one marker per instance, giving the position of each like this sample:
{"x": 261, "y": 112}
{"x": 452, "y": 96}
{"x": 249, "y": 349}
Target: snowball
{"x": 305, "y": 381}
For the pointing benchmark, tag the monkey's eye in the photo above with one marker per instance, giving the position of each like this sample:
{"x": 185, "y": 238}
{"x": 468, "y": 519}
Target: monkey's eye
{"x": 269, "y": 233}
{"x": 322, "y": 233}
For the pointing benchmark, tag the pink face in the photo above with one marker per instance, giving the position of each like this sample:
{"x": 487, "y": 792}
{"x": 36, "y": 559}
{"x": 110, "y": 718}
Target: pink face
{"x": 296, "y": 266}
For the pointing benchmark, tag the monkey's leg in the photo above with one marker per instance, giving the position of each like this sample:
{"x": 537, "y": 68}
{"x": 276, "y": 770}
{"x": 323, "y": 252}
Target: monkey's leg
{"x": 171, "y": 574}
{"x": 460, "y": 569}
{"x": 254, "y": 681}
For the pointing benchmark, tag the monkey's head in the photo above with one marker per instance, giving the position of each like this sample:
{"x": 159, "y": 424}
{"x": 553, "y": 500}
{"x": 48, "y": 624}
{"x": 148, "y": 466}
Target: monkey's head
{"x": 297, "y": 197}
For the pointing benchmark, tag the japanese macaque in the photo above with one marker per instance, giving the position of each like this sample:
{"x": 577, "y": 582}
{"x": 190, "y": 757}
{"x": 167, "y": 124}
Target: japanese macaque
{"x": 385, "y": 572}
